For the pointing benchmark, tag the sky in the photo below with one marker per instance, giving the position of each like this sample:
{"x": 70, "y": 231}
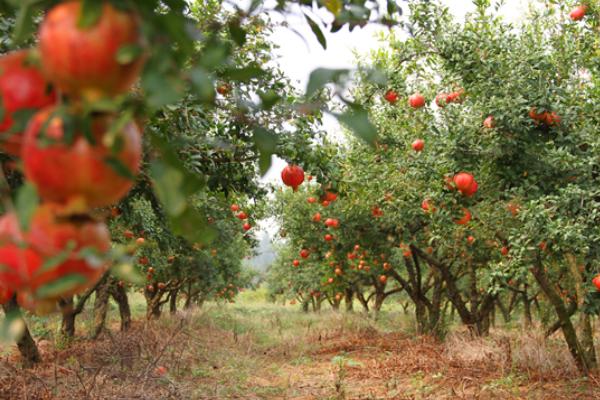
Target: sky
{"x": 298, "y": 56}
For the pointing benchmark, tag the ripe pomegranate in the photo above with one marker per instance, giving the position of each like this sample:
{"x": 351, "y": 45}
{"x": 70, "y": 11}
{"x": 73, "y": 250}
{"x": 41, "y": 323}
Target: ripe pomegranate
{"x": 79, "y": 171}
{"x": 150, "y": 288}
{"x": 51, "y": 234}
{"x": 427, "y": 206}
{"x": 504, "y": 250}
{"x": 596, "y": 282}
{"x": 316, "y": 217}
{"x": 140, "y": 241}
{"x": 247, "y": 226}
{"x": 235, "y": 208}
{"x": 383, "y": 279}
{"x": 465, "y": 218}
{"x": 543, "y": 246}
{"x": 578, "y": 13}
{"x": 223, "y": 89}
{"x": 242, "y": 215}
{"x": 6, "y": 294}
{"x": 330, "y": 281}
{"x": 552, "y": 118}
{"x": 441, "y": 100}
{"x": 454, "y": 97}
{"x": 143, "y": 260}
{"x": 356, "y": 247}
{"x": 311, "y": 200}
{"x": 330, "y": 196}
{"x": 325, "y": 203}
{"x": 328, "y": 237}
{"x": 332, "y": 223}
{"x": 296, "y": 263}
{"x": 489, "y": 122}
{"x": 471, "y": 190}
{"x": 418, "y": 145}
{"x": 338, "y": 271}
{"x": 22, "y": 87}
{"x": 391, "y": 96}
{"x": 128, "y": 234}
{"x": 416, "y": 100}
{"x": 160, "y": 370}
{"x": 470, "y": 240}
{"x": 84, "y": 61}
{"x": 377, "y": 212}
{"x": 304, "y": 253}
{"x": 387, "y": 266}
{"x": 292, "y": 175}
{"x": 463, "y": 181}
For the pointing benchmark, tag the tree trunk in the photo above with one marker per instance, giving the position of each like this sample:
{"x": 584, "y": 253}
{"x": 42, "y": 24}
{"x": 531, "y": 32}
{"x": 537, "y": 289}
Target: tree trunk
{"x": 173, "y": 301}
{"x": 26, "y": 345}
{"x": 305, "y": 305}
{"x": 584, "y": 364}
{"x": 67, "y": 327}
{"x": 120, "y": 295}
{"x": 349, "y": 300}
{"x": 100, "y": 308}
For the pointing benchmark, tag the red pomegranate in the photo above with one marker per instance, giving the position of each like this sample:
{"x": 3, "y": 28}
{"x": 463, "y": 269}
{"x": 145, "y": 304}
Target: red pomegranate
{"x": 470, "y": 240}
{"x": 330, "y": 196}
{"x": 332, "y": 223}
{"x": 328, "y": 237}
{"x": 85, "y": 61}
{"x": 489, "y": 122}
{"x": 416, "y": 100}
{"x": 596, "y": 282}
{"x": 325, "y": 203}
{"x": 441, "y": 100}
{"x": 471, "y": 190}
{"x": 463, "y": 181}
{"x": 578, "y": 13}
{"x": 296, "y": 263}
{"x": 311, "y": 200}
{"x": 383, "y": 279}
{"x": 292, "y": 175}
{"x": 242, "y": 215}
{"x": 235, "y": 208}
{"x": 465, "y": 218}
{"x": 504, "y": 250}
{"x": 247, "y": 227}
{"x": 22, "y": 87}
{"x": 304, "y": 253}
{"x": 391, "y": 96}
{"x": 316, "y": 217}
{"x": 427, "y": 206}
{"x": 5, "y": 295}
{"x": 79, "y": 171}
{"x": 418, "y": 145}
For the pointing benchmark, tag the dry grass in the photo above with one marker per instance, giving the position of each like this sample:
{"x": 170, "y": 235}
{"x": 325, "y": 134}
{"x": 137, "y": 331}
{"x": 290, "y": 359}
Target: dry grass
{"x": 261, "y": 351}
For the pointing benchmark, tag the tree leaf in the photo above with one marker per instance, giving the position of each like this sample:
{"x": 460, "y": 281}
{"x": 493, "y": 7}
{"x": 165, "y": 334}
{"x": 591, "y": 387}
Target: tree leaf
{"x": 266, "y": 142}
{"x": 317, "y": 31}
{"x": 322, "y": 76}
{"x": 127, "y": 272}
{"x": 129, "y": 53}
{"x": 26, "y": 203}
{"x": 357, "y": 120}
{"x": 60, "y": 286}
{"x": 91, "y": 10}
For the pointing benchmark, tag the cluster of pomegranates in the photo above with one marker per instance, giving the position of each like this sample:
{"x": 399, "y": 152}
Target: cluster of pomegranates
{"x": 242, "y": 215}
{"x": 76, "y": 160}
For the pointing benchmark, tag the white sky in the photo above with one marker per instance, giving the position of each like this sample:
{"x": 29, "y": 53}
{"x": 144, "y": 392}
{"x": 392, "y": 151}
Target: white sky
{"x": 298, "y": 57}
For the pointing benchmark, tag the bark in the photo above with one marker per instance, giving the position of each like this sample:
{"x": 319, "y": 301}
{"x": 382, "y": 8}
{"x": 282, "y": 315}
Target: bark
{"x": 173, "y": 301}
{"x": 349, "y": 300}
{"x": 583, "y": 362}
{"x": 100, "y": 308}
{"x": 362, "y": 300}
{"x": 67, "y": 308}
{"x": 120, "y": 295}
{"x": 26, "y": 345}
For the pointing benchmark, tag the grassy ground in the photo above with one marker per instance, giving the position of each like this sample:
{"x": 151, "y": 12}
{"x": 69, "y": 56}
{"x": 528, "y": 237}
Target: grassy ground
{"x": 257, "y": 350}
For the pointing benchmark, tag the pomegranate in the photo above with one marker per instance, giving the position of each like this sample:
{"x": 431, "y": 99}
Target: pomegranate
{"x": 128, "y": 234}
{"x": 330, "y": 196}
{"x": 83, "y": 62}
{"x": 292, "y": 175}
{"x": 311, "y": 200}
{"x": 470, "y": 240}
{"x": 383, "y": 279}
{"x": 235, "y": 208}
{"x": 418, "y": 145}
{"x": 242, "y": 215}
{"x": 454, "y": 97}
{"x": 325, "y": 203}
{"x": 471, "y": 190}
{"x": 427, "y": 206}
{"x": 489, "y": 122}
{"x": 463, "y": 181}
{"x": 377, "y": 212}
{"x": 416, "y": 100}
{"x": 332, "y": 223}
{"x": 328, "y": 237}
{"x": 296, "y": 263}
{"x": 5, "y": 295}
{"x": 247, "y": 226}
{"x": 465, "y": 218}
{"x": 316, "y": 217}
{"x": 504, "y": 250}
{"x": 223, "y": 89}
{"x": 330, "y": 281}
{"x": 304, "y": 253}
{"x": 441, "y": 100}
{"x": 578, "y": 13}
{"x": 596, "y": 282}
{"x": 79, "y": 171}
{"x": 391, "y": 96}
{"x": 338, "y": 271}
{"x": 22, "y": 87}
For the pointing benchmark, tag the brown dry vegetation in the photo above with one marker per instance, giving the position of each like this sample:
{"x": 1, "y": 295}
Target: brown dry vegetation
{"x": 261, "y": 351}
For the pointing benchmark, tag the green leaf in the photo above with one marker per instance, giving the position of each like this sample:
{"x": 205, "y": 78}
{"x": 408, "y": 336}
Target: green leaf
{"x": 24, "y": 25}
{"x": 266, "y": 142}
{"x": 26, "y": 203}
{"x": 193, "y": 226}
{"x": 52, "y": 262}
{"x": 91, "y": 10}
{"x": 127, "y": 272}
{"x": 357, "y": 120}
{"x": 238, "y": 34}
{"x": 322, "y": 76}
{"x": 317, "y": 31}
{"x": 129, "y": 53}
{"x": 168, "y": 185}
{"x": 243, "y": 74}
{"x": 204, "y": 85}
{"x": 121, "y": 169}
{"x": 12, "y": 326}
{"x": 269, "y": 99}
{"x": 60, "y": 286}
